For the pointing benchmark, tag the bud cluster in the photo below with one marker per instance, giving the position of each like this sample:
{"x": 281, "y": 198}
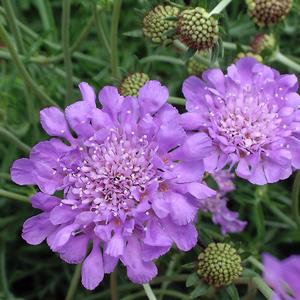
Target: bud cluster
{"x": 194, "y": 67}
{"x": 197, "y": 29}
{"x": 157, "y": 22}
{"x": 249, "y": 54}
{"x": 268, "y": 12}
{"x": 262, "y": 42}
{"x": 219, "y": 264}
{"x": 131, "y": 85}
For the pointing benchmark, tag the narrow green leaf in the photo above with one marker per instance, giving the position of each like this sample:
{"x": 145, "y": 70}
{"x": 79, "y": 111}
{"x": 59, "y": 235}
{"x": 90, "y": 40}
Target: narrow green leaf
{"x": 134, "y": 33}
{"x": 192, "y": 280}
{"x": 199, "y": 291}
{"x": 232, "y": 292}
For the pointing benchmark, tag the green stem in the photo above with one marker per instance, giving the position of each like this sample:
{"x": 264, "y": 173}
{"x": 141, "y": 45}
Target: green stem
{"x": 82, "y": 36}
{"x": 74, "y": 283}
{"x": 14, "y": 196}
{"x": 14, "y": 140}
{"x": 162, "y": 58}
{"x": 114, "y": 58}
{"x": 13, "y": 24}
{"x": 173, "y": 294}
{"x": 65, "y": 33}
{"x": 99, "y": 29}
{"x": 30, "y": 82}
{"x": 256, "y": 263}
{"x": 169, "y": 272}
{"x": 176, "y": 100}
{"x": 20, "y": 46}
{"x": 131, "y": 286}
{"x": 180, "y": 46}
{"x": 276, "y": 211}
{"x": 3, "y": 276}
{"x": 220, "y": 6}
{"x": 114, "y": 285}
{"x": 263, "y": 287}
{"x": 296, "y": 198}
{"x": 149, "y": 292}
{"x": 281, "y": 58}
{"x": 5, "y": 175}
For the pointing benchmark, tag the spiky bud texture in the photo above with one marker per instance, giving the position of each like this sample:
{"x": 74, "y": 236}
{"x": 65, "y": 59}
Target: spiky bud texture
{"x": 262, "y": 42}
{"x": 131, "y": 85}
{"x": 268, "y": 12}
{"x": 156, "y": 23}
{"x": 249, "y": 54}
{"x": 219, "y": 264}
{"x": 195, "y": 67}
{"x": 197, "y": 29}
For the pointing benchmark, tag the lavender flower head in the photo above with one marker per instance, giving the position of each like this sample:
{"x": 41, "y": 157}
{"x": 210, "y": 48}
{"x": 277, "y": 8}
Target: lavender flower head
{"x": 217, "y": 205}
{"x": 127, "y": 172}
{"x": 252, "y": 115}
{"x": 283, "y": 276}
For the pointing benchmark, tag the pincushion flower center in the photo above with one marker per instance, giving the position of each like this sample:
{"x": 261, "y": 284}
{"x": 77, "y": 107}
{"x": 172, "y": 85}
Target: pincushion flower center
{"x": 113, "y": 173}
{"x": 247, "y": 121}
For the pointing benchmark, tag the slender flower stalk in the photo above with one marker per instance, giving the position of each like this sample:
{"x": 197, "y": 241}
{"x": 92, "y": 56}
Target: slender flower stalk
{"x": 22, "y": 69}
{"x": 21, "y": 48}
{"x": 99, "y": 28}
{"x": 14, "y": 139}
{"x": 65, "y": 33}
{"x": 149, "y": 292}
{"x": 14, "y": 196}
{"x": 13, "y": 25}
{"x": 114, "y": 285}
{"x": 295, "y": 199}
{"x": 263, "y": 287}
{"x": 114, "y": 58}
{"x": 74, "y": 283}
{"x": 281, "y": 58}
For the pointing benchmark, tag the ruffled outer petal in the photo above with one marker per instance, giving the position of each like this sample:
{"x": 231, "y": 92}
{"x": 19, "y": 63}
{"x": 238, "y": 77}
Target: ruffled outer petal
{"x": 185, "y": 237}
{"x": 92, "y": 268}
{"x": 138, "y": 270}
{"x": 36, "y": 229}
{"x": 22, "y": 172}
{"x": 88, "y": 94}
{"x": 152, "y": 96}
{"x": 54, "y": 123}
{"x": 75, "y": 250}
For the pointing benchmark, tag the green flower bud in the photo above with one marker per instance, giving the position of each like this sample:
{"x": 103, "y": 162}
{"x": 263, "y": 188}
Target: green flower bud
{"x": 195, "y": 67}
{"x": 131, "y": 85}
{"x": 156, "y": 23}
{"x": 219, "y": 264}
{"x": 196, "y": 29}
{"x": 249, "y": 54}
{"x": 268, "y": 12}
{"x": 262, "y": 42}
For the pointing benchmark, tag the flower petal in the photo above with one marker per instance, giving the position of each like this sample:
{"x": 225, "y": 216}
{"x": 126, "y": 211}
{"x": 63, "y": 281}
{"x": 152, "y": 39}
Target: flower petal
{"x": 22, "y": 172}
{"x": 88, "y": 93}
{"x": 92, "y": 268}
{"x": 54, "y": 123}
{"x": 75, "y": 250}
{"x": 36, "y": 229}
{"x": 152, "y": 96}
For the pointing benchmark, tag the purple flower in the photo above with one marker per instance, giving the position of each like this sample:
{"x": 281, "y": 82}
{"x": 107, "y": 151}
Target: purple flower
{"x": 217, "y": 205}
{"x": 283, "y": 276}
{"x": 252, "y": 115}
{"x": 128, "y": 173}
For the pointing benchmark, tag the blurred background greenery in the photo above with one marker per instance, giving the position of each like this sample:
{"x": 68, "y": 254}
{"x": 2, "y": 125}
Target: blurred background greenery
{"x": 44, "y": 54}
